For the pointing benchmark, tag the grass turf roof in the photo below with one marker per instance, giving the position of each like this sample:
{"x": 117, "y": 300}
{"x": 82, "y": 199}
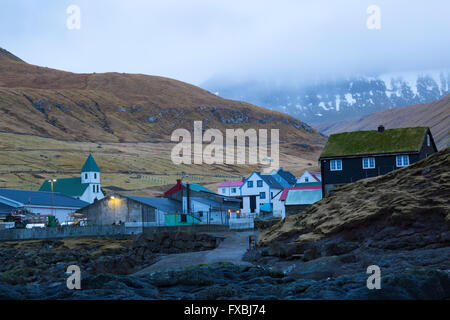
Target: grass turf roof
{"x": 374, "y": 142}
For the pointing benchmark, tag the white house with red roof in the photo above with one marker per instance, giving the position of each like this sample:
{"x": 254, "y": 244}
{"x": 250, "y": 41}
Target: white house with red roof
{"x": 310, "y": 176}
{"x": 230, "y": 188}
{"x": 279, "y": 200}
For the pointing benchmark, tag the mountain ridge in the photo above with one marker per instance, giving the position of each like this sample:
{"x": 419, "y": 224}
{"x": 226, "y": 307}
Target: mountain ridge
{"x": 322, "y": 101}
{"x": 122, "y": 107}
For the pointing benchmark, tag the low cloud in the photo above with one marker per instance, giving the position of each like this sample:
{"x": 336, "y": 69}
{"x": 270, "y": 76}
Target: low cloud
{"x": 196, "y": 40}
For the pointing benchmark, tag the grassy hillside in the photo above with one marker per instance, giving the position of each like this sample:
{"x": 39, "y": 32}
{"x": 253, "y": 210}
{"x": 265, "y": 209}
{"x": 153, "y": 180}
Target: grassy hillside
{"x": 117, "y": 107}
{"x": 435, "y": 115}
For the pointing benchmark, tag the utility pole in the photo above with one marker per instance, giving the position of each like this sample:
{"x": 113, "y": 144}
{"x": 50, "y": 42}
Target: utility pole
{"x": 51, "y": 187}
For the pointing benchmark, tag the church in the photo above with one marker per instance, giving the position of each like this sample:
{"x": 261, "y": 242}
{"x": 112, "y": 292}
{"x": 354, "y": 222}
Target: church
{"x": 87, "y": 187}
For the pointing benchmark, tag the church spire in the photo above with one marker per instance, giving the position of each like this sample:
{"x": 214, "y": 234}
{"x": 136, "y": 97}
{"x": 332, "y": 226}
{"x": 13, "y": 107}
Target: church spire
{"x": 90, "y": 165}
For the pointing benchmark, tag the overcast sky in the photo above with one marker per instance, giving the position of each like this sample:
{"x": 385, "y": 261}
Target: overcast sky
{"x": 194, "y": 40}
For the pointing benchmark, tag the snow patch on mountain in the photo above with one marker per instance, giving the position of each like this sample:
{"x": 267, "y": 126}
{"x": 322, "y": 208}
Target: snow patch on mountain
{"x": 334, "y": 100}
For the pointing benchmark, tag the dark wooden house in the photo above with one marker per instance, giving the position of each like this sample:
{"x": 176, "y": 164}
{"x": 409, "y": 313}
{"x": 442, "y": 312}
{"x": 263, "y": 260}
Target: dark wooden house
{"x": 352, "y": 156}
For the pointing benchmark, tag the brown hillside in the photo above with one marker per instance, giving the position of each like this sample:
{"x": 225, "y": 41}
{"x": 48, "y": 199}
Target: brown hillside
{"x": 417, "y": 196}
{"x": 123, "y": 107}
{"x": 435, "y": 115}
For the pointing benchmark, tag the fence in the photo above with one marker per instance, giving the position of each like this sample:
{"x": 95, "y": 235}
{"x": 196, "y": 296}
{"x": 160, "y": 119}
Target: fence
{"x": 242, "y": 223}
{"x": 192, "y": 228}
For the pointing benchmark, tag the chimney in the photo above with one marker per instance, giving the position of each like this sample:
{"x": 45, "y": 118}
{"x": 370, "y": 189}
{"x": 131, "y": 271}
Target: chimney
{"x": 178, "y": 182}
{"x": 380, "y": 128}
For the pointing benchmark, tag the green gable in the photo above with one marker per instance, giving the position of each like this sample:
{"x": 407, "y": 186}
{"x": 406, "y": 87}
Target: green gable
{"x": 374, "y": 142}
{"x": 68, "y": 186}
{"x": 90, "y": 165}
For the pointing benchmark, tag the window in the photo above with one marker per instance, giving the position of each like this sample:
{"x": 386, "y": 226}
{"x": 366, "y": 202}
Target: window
{"x": 262, "y": 195}
{"x": 368, "y": 163}
{"x": 336, "y": 165}
{"x": 95, "y": 175}
{"x": 233, "y": 190}
{"x": 249, "y": 184}
{"x": 223, "y": 190}
{"x": 86, "y": 176}
{"x": 428, "y": 140}
{"x": 306, "y": 179}
{"x": 402, "y": 161}
{"x": 93, "y": 188}
{"x": 259, "y": 183}
{"x": 98, "y": 187}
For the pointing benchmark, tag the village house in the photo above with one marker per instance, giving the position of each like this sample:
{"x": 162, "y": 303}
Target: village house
{"x": 279, "y": 200}
{"x": 284, "y": 177}
{"x": 86, "y": 187}
{"x": 257, "y": 192}
{"x": 209, "y": 207}
{"x": 38, "y": 202}
{"x": 230, "y": 188}
{"x": 351, "y": 156}
{"x": 309, "y": 177}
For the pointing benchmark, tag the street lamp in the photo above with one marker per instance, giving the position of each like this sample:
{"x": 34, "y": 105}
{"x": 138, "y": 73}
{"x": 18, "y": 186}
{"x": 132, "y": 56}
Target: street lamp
{"x": 114, "y": 202}
{"x": 51, "y": 187}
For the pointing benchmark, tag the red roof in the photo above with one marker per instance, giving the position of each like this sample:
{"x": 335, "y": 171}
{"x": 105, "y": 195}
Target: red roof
{"x": 286, "y": 190}
{"x": 315, "y": 175}
{"x": 174, "y": 189}
{"x": 236, "y": 183}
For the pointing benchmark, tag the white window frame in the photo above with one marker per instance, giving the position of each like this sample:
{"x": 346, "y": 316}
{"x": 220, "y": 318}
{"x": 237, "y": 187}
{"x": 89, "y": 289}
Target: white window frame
{"x": 369, "y": 166}
{"x": 335, "y": 162}
{"x": 402, "y": 162}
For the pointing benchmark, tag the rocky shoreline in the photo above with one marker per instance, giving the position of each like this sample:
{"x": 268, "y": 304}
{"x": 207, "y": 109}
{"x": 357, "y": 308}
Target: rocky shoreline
{"x": 227, "y": 281}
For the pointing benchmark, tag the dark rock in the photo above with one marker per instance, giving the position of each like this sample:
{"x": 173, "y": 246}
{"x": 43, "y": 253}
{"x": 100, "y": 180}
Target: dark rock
{"x": 216, "y": 292}
{"x": 318, "y": 269}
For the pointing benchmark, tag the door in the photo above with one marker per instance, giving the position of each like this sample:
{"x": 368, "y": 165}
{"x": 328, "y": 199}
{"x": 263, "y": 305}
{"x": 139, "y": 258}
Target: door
{"x": 252, "y": 204}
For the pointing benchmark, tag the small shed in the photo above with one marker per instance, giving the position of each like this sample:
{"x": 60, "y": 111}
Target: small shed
{"x": 299, "y": 200}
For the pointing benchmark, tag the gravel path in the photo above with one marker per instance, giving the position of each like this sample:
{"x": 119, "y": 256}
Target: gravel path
{"x": 231, "y": 249}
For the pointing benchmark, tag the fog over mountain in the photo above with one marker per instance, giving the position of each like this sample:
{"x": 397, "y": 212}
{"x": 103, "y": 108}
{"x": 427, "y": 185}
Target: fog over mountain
{"x": 196, "y": 40}
{"x": 330, "y": 100}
